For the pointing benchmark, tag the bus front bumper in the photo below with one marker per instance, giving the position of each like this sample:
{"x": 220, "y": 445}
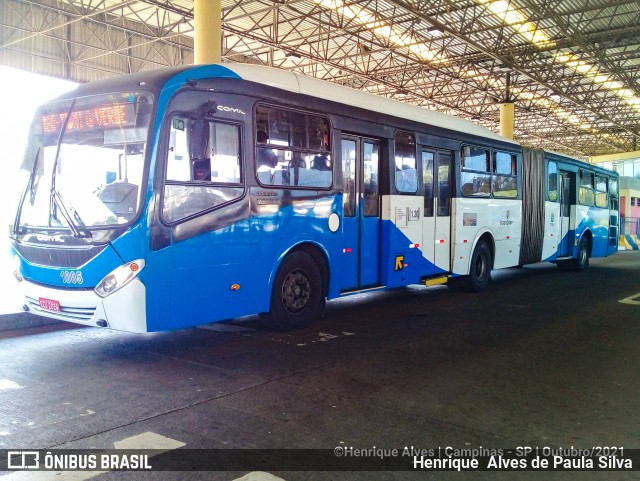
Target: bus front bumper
{"x": 124, "y": 310}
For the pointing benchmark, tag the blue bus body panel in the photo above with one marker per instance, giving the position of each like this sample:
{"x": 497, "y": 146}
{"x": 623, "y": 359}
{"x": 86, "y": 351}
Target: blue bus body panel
{"x": 230, "y": 272}
{"x": 351, "y": 253}
{"x": 594, "y": 220}
{"x": 411, "y": 267}
{"x": 597, "y": 221}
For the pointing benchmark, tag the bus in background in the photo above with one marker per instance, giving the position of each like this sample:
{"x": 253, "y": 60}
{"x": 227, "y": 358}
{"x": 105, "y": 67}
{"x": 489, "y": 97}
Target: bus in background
{"x": 168, "y": 199}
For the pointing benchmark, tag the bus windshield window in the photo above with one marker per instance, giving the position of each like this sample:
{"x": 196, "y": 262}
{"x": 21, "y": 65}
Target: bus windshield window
{"x": 85, "y": 160}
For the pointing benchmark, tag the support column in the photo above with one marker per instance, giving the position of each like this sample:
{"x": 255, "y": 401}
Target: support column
{"x": 207, "y": 16}
{"x": 507, "y": 119}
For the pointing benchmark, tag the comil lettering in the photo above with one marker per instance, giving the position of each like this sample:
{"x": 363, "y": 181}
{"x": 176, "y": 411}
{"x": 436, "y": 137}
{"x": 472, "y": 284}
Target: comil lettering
{"x": 233, "y": 110}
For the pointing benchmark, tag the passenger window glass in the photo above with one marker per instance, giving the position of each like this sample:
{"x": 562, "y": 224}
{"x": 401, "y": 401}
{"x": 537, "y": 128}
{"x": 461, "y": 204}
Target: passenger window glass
{"x": 475, "y": 184}
{"x": 586, "y": 195}
{"x": 292, "y": 149}
{"x": 506, "y": 163}
{"x": 427, "y": 178}
{"x": 349, "y": 177}
{"x": 552, "y": 182}
{"x": 444, "y": 184}
{"x": 505, "y": 180}
{"x": 203, "y": 167}
{"x": 370, "y": 179}
{"x": 475, "y": 158}
{"x": 476, "y": 173}
{"x": 602, "y": 198}
{"x": 406, "y": 173}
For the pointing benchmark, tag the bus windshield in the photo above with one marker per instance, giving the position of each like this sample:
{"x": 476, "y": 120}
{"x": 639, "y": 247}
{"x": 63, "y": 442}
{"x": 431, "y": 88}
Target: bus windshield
{"x": 85, "y": 162}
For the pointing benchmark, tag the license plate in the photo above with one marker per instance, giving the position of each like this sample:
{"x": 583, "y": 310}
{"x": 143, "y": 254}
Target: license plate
{"x": 49, "y": 304}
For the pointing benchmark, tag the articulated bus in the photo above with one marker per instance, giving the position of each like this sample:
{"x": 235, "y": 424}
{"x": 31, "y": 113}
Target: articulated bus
{"x": 178, "y": 197}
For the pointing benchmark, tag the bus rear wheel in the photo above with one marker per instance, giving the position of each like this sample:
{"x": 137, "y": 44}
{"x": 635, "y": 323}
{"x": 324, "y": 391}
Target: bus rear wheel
{"x": 480, "y": 268}
{"x": 297, "y": 297}
{"x": 479, "y": 271}
{"x": 581, "y": 262}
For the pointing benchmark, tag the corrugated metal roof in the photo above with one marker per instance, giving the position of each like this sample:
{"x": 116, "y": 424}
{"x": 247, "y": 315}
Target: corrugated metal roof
{"x": 572, "y": 67}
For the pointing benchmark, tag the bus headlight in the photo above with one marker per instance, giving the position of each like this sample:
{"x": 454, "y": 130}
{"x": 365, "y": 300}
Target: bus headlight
{"x": 119, "y": 277}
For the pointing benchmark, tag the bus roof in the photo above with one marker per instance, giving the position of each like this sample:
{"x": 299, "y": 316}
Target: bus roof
{"x": 291, "y": 82}
{"x": 302, "y": 84}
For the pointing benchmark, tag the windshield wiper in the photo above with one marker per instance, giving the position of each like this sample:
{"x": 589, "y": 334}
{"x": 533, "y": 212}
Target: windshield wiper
{"x": 56, "y": 200}
{"x": 31, "y": 188}
{"x": 77, "y": 230}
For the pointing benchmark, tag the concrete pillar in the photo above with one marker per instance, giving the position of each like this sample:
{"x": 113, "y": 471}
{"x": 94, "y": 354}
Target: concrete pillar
{"x": 507, "y": 119}
{"x": 207, "y": 16}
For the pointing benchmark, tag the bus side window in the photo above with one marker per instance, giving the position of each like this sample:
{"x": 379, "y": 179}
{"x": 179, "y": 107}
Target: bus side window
{"x": 292, "y": 149}
{"x": 552, "y": 181}
{"x": 505, "y": 175}
{"x": 203, "y": 167}
{"x": 476, "y": 172}
{"x": 614, "y": 201}
{"x": 586, "y": 195}
{"x": 602, "y": 198}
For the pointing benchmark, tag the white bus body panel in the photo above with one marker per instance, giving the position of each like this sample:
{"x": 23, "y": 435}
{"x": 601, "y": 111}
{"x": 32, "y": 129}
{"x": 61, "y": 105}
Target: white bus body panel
{"x": 553, "y": 229}
{"x": 500, "y": 218}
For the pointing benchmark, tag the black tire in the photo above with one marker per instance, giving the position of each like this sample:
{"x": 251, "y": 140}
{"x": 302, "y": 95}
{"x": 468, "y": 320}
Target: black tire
{"x": 581, "y": 262}
{"x": 480, "y": 268}
{"x": 479, "y": 271}
{"x": 298, "y": 296}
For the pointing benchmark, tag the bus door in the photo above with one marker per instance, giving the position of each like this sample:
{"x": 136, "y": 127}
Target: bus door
{"x": 567, "y": 196}
{"x": 436, "y": 232}
{"x": 360, "y": 167}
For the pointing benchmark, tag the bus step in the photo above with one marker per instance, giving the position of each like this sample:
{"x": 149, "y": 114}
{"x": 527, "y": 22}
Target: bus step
{"x": 435, "y": 281}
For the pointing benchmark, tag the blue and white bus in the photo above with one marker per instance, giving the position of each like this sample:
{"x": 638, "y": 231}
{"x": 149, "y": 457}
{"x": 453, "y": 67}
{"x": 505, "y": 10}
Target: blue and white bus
{"x": 178, "y": 197}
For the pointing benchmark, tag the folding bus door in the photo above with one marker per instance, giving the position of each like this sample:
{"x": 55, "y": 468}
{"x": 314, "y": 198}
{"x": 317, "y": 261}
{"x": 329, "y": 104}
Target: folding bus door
{"x": 360, "y": 166}
{"x": 567, "y": 196}
{"x": 436, "y": 233}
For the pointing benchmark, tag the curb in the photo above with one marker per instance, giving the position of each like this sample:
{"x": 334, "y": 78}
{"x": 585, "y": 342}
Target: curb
{"x": 24, "y": 320}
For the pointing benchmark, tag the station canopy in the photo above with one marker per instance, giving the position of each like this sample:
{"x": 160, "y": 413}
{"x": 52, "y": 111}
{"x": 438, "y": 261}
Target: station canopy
{"x": 571, "y": 67}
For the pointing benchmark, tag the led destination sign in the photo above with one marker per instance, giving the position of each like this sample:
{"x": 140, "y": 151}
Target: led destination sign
{"x": 105, "y": 117}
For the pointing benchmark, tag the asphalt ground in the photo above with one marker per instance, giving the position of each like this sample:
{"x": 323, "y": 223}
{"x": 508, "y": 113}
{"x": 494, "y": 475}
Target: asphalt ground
{"x": 543, "y": 358}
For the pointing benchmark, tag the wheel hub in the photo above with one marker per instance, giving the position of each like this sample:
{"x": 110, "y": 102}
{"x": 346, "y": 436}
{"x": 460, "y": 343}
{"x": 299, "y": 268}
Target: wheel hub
{"x": 296, "y": 291}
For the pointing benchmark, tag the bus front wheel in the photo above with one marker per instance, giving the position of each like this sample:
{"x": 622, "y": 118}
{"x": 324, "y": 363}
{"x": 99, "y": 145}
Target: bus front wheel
{"x": 297, "y": 297}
